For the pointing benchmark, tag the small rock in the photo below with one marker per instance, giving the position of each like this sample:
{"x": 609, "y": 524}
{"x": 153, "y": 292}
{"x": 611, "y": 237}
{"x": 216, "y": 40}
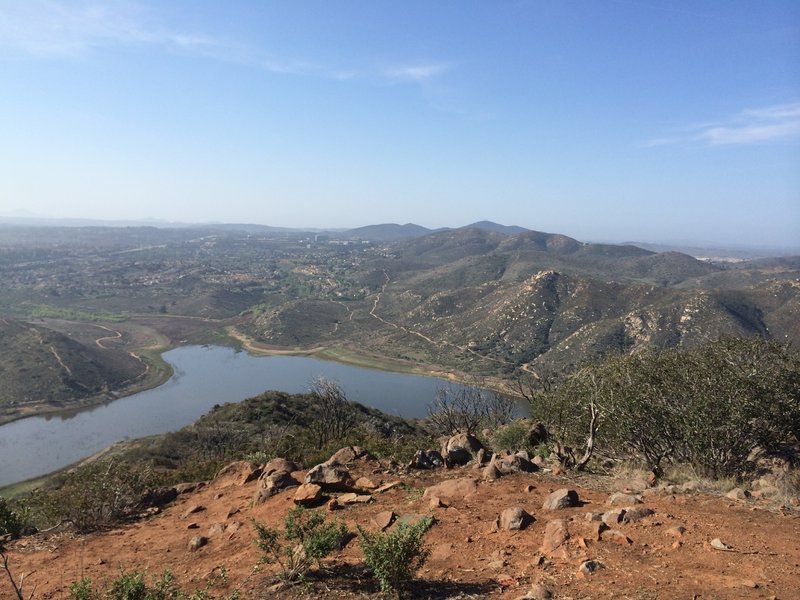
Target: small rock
{"x": 636, "y": 513}
{"x": 514, "y": 519}
{"x": 426, "y": 459}
{"x": 677, "y": 531}
{"x": 308, "y": 494}
{"x": 738, "y": 494}
{"x": 691, "y": 486}
{"x": 598, "y": 527}
{"x": 231, "y": 511}
{"x": 216, "y": 529}
{"x": 529, "y": 488}
{"x": 619, "y": 499}
{"x": 588, "y": 567}
{"x": 452, "y": 489}
{"x": 616, "y": 536}
{"x": 612, "y": 517}
{"x": 384, "y": 519}
{"x": 197, "y": 542}
{"x": 193, "y": 526}
{"x": 386, "y": 487}
{"x": 438, "y": 503}
{"x": 195, "y": 508}
{"x": 718, "y": 544}
{"x": 353, "y": 498}
{"x": 491, "y": 472}
{"x": 559, "y": 499}
{"x": 365, "y": 483}
{"x": 538, "y": 591}
{"x": 555, "y": 535}
{"x": 333, "y": 504}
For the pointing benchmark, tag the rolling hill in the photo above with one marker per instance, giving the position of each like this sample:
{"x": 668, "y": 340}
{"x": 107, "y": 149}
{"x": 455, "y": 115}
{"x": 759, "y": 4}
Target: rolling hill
{"x": 40, "y": 366}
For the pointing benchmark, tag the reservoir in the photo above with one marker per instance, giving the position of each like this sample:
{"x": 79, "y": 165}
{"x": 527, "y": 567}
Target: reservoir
{"x": 204, "y": 376}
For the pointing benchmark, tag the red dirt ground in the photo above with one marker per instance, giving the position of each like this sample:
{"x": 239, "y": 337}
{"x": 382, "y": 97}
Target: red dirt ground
{"x": 469, "y": 559}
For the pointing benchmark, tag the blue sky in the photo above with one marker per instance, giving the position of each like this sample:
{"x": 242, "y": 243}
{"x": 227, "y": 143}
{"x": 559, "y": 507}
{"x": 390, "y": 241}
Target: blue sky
{"x": 605, "y": 120}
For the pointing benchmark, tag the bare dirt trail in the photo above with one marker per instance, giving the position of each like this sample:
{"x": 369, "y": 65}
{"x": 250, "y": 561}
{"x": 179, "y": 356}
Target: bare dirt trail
{"x": 437, "y": 343}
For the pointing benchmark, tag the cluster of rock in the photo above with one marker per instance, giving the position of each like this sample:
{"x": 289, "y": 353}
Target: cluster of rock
{"x": 464, "y": 449}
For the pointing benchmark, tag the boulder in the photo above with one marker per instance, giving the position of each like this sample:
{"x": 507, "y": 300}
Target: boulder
{"x": 459, "y": 449}
{"x": 277, "y": 481}
{"x": 515, "y": 463}
{"x": 514, "y": 519}
{"x": 241, "y": 471}
{"x": 453, "y": 489}
{"x": 562, "y": 498}
{"x": 280, "y": 464}
{"x": 308, "y": 494}
{"x": 331, "y": 478}
{"x": 426, "y": 459}
{"x": 347, "y": 455}
{"x": 555, "y": 536}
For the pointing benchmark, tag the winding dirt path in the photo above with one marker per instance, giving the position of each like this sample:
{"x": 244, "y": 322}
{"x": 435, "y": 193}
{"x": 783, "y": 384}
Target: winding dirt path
{"x": 438, "y": 343}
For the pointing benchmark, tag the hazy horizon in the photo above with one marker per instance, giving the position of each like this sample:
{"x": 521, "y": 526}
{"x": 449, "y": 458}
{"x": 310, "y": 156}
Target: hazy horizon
{"x": 613, "y": 121}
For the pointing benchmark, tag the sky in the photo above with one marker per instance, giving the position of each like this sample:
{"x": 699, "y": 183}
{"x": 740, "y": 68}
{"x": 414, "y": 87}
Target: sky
{"x": 613, "y": 120}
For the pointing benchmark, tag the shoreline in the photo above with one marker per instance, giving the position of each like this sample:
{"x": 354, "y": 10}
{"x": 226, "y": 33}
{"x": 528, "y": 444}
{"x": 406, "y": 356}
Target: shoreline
{"x": 161, "y": 371}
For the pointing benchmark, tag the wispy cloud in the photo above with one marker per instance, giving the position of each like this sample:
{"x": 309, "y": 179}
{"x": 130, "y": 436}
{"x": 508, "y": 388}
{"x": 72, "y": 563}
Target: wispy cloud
{"x": 52, "y": 29}
{"x": 416, "y": 73}
{"x": 767, "y": 124}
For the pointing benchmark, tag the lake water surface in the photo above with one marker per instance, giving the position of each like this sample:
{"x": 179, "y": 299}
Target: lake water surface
{"x": 204, "y": 376}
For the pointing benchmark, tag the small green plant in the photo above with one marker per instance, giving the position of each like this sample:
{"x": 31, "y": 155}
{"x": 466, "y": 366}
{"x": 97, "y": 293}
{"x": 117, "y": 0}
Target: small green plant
{"x": 82, "y": 590}
{"x": 307, "y": 539}
{"x": 395, "y": 556}
{"x": 130, "y": 585}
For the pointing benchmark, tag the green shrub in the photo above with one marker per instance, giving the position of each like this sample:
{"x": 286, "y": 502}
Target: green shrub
{"x": 92, "y": 496}
{"x": 10, "y": 519}
{"x": 395, "y": 556}
{"x": 307, "y": 540}
{"x": 708, "y": 406}
{"x": 513, "y": 437}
